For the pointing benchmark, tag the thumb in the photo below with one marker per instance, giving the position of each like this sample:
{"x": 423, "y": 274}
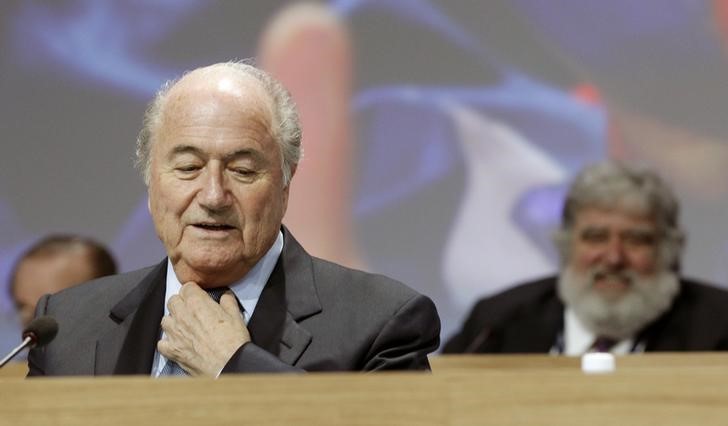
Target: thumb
{"x": 230, "y": 304}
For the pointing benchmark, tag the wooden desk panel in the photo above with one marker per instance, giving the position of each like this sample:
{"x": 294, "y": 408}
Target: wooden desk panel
{"x": 14, "y": 369}
{"x": 683, "y": 360}
{"x": 669, "y": 389}
{"x": 313, "y": 399}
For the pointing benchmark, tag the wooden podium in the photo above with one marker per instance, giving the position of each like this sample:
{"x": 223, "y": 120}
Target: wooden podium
{"x": 660, "y": 389}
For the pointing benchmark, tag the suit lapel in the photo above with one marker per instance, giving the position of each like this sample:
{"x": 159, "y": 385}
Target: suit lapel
{"x": 128, "y": 348}
{"x": 670, "y": 332}
{"x": 536, "y": 331}
{"x": 288, "y": 297}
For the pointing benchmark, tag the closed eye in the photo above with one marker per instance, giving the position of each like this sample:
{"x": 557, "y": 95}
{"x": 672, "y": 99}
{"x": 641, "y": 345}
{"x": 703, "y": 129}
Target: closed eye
{"x": 594, "y": 235}
{"x": 244, "y": 173}
{"x": 186, "y": 169}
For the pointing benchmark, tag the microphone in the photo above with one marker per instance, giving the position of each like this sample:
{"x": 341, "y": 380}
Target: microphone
{"x": 38, "y": 333}
{"x": 478, "y": 340}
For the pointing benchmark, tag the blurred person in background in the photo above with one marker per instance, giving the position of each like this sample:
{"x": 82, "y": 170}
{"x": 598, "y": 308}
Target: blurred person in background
{"x": 55, "y": 263}
{"x": 619, "y": 288}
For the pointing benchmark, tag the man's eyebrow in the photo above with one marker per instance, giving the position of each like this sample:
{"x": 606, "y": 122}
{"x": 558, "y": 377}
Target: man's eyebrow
{"x": 253, "y": 154}
{"x": 641, "y": 230}
{"x": 593, "y": 227}
{"x": 185, "y": 149}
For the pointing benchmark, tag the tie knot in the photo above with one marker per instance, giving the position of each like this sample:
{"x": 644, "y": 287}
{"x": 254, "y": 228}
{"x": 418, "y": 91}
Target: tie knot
{"x": 216, "y": 293}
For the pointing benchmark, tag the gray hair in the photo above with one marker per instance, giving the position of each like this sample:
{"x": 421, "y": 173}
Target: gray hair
{"x": 614, "y": 186}
{"x": 286, "y": 127}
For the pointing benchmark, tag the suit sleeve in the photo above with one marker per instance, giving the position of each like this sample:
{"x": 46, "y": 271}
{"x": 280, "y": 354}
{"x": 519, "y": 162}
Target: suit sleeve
{"x": 406, "y": 339}
{"x": 403, "y": 343}
{"x": 251, "y": 358}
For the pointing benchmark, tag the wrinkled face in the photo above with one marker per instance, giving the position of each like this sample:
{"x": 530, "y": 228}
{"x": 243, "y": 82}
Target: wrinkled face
{"x": 216, "y": 190}
{"x": 612, "y": 248}
{"x": 38, "y": 276}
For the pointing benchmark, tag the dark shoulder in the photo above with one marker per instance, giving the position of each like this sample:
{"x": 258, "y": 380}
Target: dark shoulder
{"x": 100, "y": 293}
{"x": 703, "y": 294}
{"x": 358, "y": 286}
{"x": 515, "y": 299}
{"x": 340, "y": 285}
{"x": 696, "y": 321}
{"x": 526, "y": 303}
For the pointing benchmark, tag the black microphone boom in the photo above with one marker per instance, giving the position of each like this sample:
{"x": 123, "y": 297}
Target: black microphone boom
{"x": 39, "y": 332}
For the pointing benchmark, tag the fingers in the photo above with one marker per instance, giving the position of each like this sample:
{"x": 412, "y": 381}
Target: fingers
{"x": 174, "y": 337}
{"x": 172, "y": 346}
{"x": 190, "y": 290}
{"x": 190, "y": 300}
{"x": 230, "y": 305}
{"x": 175, "y": 305}
{"x": 201, "y": 335}
{"x": 164, "y": 347}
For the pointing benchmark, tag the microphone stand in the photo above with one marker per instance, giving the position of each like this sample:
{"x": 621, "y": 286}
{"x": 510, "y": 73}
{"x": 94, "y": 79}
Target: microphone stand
{"x": 26, "y": 342}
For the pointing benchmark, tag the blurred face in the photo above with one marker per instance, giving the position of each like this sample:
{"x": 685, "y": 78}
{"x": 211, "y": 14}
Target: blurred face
{"x": 613, "y": 248}
{"x": 612, "y": 280}
{"x": 216, "y": 191}
{"x": 38, "y": 276}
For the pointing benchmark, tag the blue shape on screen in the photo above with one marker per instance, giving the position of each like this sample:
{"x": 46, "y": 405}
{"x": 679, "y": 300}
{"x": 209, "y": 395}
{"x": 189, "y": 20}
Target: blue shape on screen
{"x": 100, "y": 40}
{"x": 420, "y": 12}
{"x": 566, "y": 129}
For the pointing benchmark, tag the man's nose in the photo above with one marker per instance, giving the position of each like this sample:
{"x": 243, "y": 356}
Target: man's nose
{"x": 214, "y": 195}
{"x": 615, "y": 255}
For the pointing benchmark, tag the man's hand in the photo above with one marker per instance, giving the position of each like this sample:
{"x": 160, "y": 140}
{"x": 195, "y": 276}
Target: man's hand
{"x": 200, "y": 335}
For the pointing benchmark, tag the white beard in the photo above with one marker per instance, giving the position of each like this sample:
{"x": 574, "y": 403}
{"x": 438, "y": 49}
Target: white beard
{"x": 644, "y": 301}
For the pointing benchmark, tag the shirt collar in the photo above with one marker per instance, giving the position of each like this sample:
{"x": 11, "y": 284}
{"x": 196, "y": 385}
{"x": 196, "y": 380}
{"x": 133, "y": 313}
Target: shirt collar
{"x": 248, "y": 289}
{"x": 578, "y": 339}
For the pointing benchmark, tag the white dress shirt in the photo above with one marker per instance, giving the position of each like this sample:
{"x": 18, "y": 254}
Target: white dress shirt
{"x": 578, "y": 339}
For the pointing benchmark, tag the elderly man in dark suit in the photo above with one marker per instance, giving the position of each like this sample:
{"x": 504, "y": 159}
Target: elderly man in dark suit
{"x": 618, "y": 289}
{"x": 218, "y": 150}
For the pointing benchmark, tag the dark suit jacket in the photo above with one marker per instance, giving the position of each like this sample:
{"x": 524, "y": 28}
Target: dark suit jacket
{"x": 311, "y": 315}
{"x": 529, "y": 317}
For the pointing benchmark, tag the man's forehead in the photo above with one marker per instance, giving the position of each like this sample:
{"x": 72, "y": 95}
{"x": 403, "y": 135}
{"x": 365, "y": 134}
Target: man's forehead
{"x": 219, "y": 81}
{"x": 613, "y": 217}
{"x": 241, "y": 113}
{"x": 228, "y": 105}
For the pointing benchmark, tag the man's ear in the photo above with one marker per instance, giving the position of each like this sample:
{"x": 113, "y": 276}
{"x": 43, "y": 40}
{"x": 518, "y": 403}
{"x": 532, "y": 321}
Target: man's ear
{"x": 294, "y": 167}
{"x": 287, "y": 188}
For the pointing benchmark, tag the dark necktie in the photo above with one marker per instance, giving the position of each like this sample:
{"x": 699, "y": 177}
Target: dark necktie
{"x": 216, "y": 293}
{"x": 171, "y": 368}
{"x": 603, "y": 344}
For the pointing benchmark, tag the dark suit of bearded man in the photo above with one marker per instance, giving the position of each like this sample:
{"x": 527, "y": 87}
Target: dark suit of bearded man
{"x": 529, "y": 318}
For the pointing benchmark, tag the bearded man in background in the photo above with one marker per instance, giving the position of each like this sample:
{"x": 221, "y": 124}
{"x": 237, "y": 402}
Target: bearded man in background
{"x": 619, "y": 288}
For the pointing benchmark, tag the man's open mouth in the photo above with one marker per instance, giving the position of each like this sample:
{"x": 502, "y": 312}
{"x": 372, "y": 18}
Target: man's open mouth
{"x": 214, "y": 226}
